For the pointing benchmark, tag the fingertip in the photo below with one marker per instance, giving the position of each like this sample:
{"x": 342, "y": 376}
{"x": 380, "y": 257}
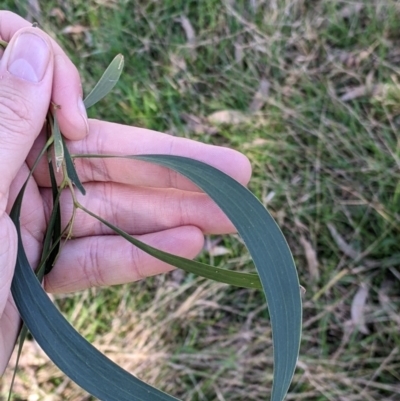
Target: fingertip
{"x": 185, "y": 241}
{"x": 26, "y": 69}
{"x": 67, "y": 95}
{"x": 235, "y": 164}
{"x": 243, "y": 166}
{"x": 8, "y": 252}
{"x": 67, "y": 89}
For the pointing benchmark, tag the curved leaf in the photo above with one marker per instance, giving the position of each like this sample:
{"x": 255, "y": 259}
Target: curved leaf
{"x": 75, "y": 356}
{"x": 270, "y": 254}
{"x": 238, "y": 279}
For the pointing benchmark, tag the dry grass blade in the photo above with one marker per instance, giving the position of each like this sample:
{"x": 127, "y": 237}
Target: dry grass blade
{"x": 34, "y": 12}
{"x": 342, "y": 244}
{"x": 311, "y": 256}
{"x": 190, "y": 34}
{"x": 228, "y": 117}
{"x": 358, "y": 306}
{"x": 360, "y": 91}
{"x": 22, "y": 337}
{"x": 198, "y": 125}
{"x": 260, "y": 97}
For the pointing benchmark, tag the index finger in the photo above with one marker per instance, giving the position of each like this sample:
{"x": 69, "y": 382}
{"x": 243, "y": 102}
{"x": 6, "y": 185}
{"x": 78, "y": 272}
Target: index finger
{"x": 107, "y": 138}
{"x": 67, "y": 87}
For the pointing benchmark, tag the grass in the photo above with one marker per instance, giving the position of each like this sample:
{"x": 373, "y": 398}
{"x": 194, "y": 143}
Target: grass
{"x": 325, "y": 151}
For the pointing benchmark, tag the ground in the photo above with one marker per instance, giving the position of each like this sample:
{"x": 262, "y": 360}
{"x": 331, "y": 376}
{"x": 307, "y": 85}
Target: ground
{"x": 309, "y": 91}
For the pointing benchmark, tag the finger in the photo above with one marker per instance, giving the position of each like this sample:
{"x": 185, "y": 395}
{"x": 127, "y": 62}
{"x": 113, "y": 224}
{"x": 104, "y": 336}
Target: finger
{"x": 67, "y": 88}
{"x": 26, "y": 69}
{"x": 117, "y": 139}
{"x": 32, "y": 216}
{"x": 8, "y": 252}
{"x": 67, "y": 95}
{"x": 140, "y": 210}
{"x": 101, "y": 261}
{"x": 9, "y": 316}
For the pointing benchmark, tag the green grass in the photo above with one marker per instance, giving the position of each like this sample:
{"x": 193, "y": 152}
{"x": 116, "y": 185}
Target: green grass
{"x": 317, "y": 161}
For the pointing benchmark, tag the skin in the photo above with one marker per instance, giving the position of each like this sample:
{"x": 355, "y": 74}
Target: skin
{"x": 152, "y": 203}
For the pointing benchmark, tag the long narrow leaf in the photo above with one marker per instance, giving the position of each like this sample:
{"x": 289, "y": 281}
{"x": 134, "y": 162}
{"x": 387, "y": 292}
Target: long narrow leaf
{"x": 76, "y": 357}
{"x": 268, "y": 248}
{"x": 272, "y": 258}
{"x": 107, "y": 81}
{"x": 53, "y": 231}
{"x": 270, "y": 254}
{"x": 239, "y": 279}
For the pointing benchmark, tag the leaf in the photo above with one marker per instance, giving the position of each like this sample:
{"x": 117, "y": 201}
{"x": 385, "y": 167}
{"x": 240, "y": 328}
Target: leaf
{"x": 71, "y": 171}
{"x": 230, "y": 117}
{"x": 361, "y": 91}
{"x": 238, "y": 279}
{"x": 76, "y": 357}
{"x": 268, "y": 248}
{"x": 270, "y": 253}
{"x": 53, "y": 231}
{"x": 107, "y": 81}
{"x": 58, "y": 143}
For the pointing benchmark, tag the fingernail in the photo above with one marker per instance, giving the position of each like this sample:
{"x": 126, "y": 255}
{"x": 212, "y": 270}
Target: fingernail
{"x": 82, "y": 110}
{"x": 29, "y": 57}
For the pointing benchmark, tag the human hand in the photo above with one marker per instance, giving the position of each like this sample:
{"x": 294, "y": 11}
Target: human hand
{"x": 150, "y": 202}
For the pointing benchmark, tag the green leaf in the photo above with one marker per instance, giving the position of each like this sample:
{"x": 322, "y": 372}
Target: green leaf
{"x": 53, "y": 231}
{"x": 107, "y": 81}
{"x": 71, "y": 171}
{"x": 238, "y": 279}
{"x": 76, "y": 357}
{"x": 270, "y": 253}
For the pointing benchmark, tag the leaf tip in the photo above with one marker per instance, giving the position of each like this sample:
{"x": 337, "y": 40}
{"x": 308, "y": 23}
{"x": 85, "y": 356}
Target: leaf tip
{"x": 121, "y": 61}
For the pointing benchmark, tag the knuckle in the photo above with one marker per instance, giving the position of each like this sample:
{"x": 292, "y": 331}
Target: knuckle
{"x": 15, "y": 116}
{"x": 92, "y": 265}
{"x": 137, "y": 266}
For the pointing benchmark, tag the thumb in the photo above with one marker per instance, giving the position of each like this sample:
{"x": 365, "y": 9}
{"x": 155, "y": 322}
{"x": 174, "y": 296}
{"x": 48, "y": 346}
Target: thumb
{"x": 26, "y": 74}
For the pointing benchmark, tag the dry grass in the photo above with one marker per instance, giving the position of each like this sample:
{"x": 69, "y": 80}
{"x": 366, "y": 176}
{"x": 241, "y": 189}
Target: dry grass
{"x": 315, "y": 95}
